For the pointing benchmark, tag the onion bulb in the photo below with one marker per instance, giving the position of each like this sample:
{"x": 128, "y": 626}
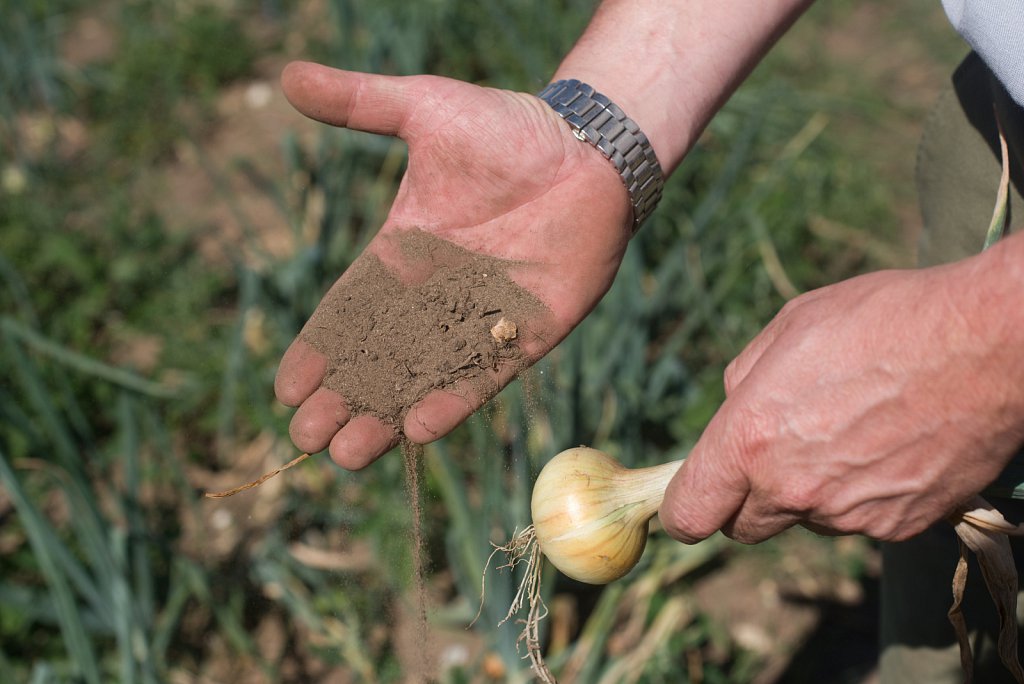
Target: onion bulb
{"x": 591, "y": 514}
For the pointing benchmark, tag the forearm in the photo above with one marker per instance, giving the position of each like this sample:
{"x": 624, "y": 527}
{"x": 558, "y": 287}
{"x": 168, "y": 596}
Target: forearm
{"x": 670, "y": 64}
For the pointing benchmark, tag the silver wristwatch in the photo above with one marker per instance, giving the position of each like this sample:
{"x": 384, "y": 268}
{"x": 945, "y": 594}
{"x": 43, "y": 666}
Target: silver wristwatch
{"x": 597, "y": 120}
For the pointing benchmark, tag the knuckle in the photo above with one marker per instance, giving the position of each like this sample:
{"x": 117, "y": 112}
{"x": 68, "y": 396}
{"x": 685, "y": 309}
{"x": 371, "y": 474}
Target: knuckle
{"x": 800, "y": 496}
{"x": 895, "y": 529}
{"x": 790, "y": 308}
{"x": 743, "y": 535}
{"x": 731, "y": 377}
{"x": 753, "y": 431}
{"x": 754, "y": 528}
{"x": 885, "y": 530}
{"x": 796, "y": 309}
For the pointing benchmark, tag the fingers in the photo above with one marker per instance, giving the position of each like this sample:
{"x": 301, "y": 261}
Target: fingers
{"x": 323, "y": 420}
{"x": 440, "y": 412}
{"x": 711, "y": 492}
{"x": 726, "y": 484}
{"x": 752, "y": 524}
{"x": 317, "y": 420}
{"x": 701, "y": 499}
{"x": 301, "y": 370}
{"x": 363, "y": 102}
{"x": 362, "y": 441}
{"x": 790, "y": 316}
{"x": 698, "y": 504}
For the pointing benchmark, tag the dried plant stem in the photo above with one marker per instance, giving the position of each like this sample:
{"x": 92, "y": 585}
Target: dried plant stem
{"x": 257, "y": 482}
{"x": 523, "y": 548}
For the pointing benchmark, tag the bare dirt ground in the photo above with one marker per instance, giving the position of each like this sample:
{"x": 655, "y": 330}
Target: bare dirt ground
{"x": 204, "y": 192}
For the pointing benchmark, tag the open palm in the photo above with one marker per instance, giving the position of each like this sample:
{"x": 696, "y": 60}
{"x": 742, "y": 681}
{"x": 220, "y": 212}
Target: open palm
{"x": 494, "y": 172}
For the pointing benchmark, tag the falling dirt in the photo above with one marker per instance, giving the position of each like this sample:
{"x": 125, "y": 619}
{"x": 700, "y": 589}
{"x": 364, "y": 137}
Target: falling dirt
{"x": 412, "y": 455}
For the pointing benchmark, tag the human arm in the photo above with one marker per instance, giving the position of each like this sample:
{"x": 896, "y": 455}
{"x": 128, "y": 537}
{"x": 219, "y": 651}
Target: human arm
{"x": 672, "y": 65}
{"x": 533, "y": 194}
{"x": 874, "y": 406}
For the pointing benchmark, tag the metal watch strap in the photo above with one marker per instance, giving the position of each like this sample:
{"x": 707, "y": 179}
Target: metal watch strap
{"x": 599, "y": 121}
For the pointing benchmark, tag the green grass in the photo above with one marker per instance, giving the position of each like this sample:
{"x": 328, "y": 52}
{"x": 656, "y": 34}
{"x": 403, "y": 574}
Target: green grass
{"x": 113, "y": 568}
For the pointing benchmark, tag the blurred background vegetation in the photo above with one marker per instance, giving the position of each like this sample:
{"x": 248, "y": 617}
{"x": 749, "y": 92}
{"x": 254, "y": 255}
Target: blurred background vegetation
{"x": 166, "y": 225}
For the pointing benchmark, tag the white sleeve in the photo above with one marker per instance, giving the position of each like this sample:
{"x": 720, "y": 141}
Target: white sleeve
{"x": 995, "y": 29}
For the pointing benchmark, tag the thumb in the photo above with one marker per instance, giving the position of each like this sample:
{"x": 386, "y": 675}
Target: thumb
{"x": 362, "y": 102}
{"x": 705, "y": 494}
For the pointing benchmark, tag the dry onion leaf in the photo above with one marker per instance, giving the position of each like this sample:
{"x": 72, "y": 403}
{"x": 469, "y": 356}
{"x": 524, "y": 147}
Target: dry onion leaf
{"x": 983, "y": 530}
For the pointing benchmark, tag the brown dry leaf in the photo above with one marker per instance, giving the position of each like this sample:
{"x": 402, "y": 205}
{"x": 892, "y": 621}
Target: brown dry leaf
{"x": 992, "y": 547}
{"x": 956, "y": 615}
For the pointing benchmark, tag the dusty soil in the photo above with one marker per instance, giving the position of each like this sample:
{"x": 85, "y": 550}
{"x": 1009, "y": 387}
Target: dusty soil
{"x": 390, "y": 343}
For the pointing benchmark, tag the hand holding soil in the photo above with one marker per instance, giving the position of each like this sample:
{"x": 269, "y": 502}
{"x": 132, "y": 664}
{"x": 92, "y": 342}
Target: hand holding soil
{"x": 505, "y": 233}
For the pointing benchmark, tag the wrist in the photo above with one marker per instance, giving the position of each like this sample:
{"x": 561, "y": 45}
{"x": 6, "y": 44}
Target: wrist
{"x": 986, "y": 290}
{"x": 990, "y": 286}
{"x": 671, "y": 64}
{"x": 670, "y": 128}
{"x": 597, "y": 121}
